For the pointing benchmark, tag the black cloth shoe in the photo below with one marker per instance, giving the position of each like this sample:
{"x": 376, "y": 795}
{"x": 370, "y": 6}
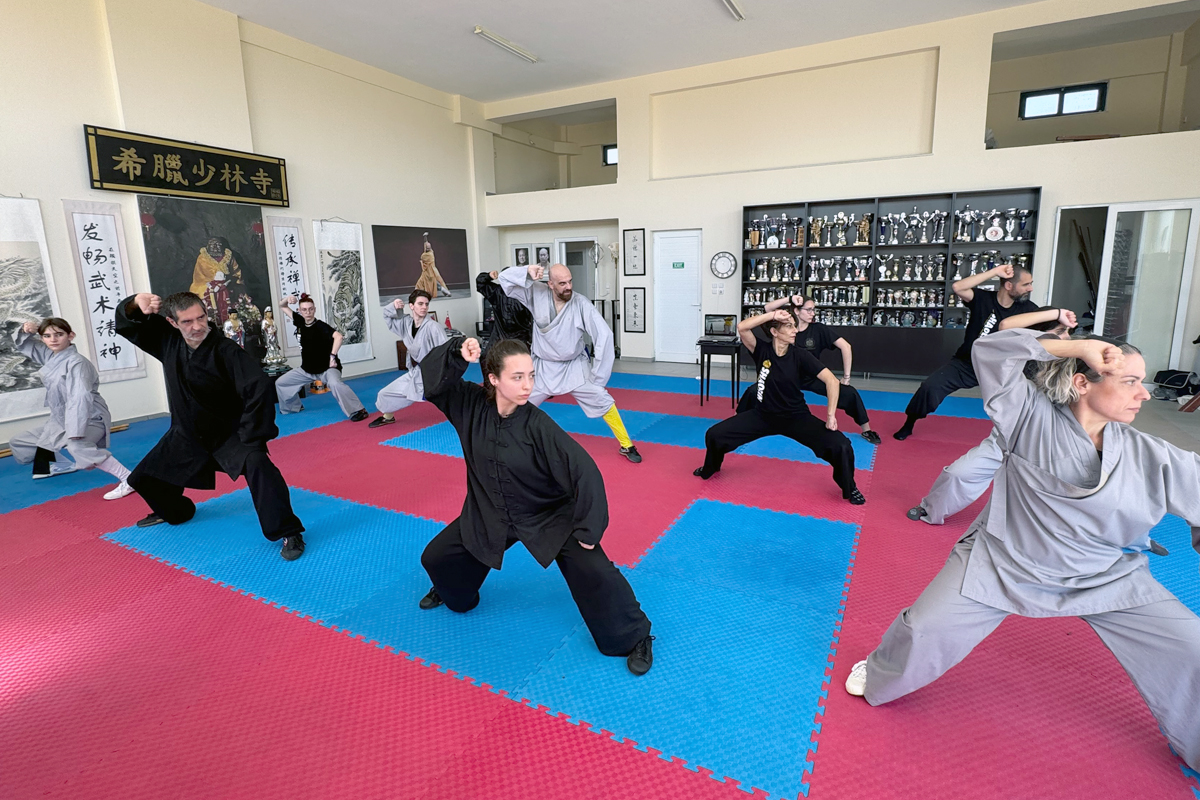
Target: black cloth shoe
{"x": 293, "y": 547}
{"x": 641, "y": 657}
{"x": 431, "y": 600}
{"x": 632, "y": 454}
{"x": 380, "y": 421}
{"x": 855, "y": 497}
{"x": 902, "y": 434}
{"x": 872, "y": 437}
{"x": 150, "y": 519}
{"x": 699, "y": 473}
{"x": 916, "y": 512}
{"x": 359, "y": 416}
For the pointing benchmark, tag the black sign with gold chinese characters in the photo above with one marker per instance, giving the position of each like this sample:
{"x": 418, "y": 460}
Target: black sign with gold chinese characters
{"x": 131, "y": 162}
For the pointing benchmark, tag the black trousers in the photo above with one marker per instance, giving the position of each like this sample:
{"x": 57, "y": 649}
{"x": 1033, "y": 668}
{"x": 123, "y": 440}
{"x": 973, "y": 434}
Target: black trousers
{"x": 958, "y": 374}
{"x": 268, "y": 490}
{"x": 605, "y": 599}
{"x": 830, "y": 446}
{"x": 849, "y": 400}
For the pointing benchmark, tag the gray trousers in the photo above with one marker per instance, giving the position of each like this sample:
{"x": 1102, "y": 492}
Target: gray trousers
{"x": 593, "y": 398}
{"x": 1158, "y": 645}
{"x": 962, "y": 483}
{"x": 86, "y": 452}
{"x": 288, "y": 385}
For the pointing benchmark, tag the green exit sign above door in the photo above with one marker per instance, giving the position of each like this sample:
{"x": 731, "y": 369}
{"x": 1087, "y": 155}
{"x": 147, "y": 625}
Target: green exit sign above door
{"x": 676, "y": 265}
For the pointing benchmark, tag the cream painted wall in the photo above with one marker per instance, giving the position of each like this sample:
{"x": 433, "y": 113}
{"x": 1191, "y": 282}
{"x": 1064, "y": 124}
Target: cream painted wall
{"x": 521, "y": 168}
{"x": 1085, "y": 173}
{"x": 360, "y": 143}
{"x": 587, "y": 169}
{"x": 604, "y": 230}
{"x": 1137, "y": 81}
{"x": 1189, "y": 57}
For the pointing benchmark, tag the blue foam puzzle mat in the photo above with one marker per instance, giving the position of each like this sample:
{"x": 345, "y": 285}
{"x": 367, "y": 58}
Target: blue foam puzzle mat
{"x": 1177, "y": 571}
{"x": 440, "y": 439}
{"x": 570, "y": 418}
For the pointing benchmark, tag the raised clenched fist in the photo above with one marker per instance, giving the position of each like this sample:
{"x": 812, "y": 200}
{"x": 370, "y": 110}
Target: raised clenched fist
{"x": 470, "y": 350}
{"x": 1004, "y": 271}
{"x": 536, "y": 272}
{"x": 148, "y": 303}
{"x": 30, "y": 327}
{"x": 398, "y": 304}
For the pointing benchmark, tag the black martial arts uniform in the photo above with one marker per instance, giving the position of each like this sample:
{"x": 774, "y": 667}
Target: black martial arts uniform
{"x": 527, "y": 481}
{"x": 222, "y": 416}
{"x": 510, "y": 318}
{"x": 985, "y": 316}
{"x": 779, "y": 410}
{"x": 816, "y": 339}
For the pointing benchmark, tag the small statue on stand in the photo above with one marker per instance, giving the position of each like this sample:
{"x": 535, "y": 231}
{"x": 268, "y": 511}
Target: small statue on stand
{"x": 273, "y": 363}
{"x": 234, "y": 329}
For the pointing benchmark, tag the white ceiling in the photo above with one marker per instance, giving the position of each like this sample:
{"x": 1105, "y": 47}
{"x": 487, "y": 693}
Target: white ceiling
{"x": 1126, "y": 26}
{"x": 577, "y": 43}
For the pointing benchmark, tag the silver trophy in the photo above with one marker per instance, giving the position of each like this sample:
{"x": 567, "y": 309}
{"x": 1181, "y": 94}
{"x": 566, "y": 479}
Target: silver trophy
{"x": 882, "y": 268}
{"x": 939, "y": 226}
{"x": 841, "y": 223}
{"x": 957, "y": 262}
{"x": 940, "y": 260}
{"x": 812, "y": 269}
{"x": 825, "y": 226}
{"x": 965, "y": 218}
{"x": 1010, "y": 224}
{"x": 911, "y": 222}
{"x": 1023, "y": 216}
{"x": 895, "y": 220}
{"x": 925, "y": 217}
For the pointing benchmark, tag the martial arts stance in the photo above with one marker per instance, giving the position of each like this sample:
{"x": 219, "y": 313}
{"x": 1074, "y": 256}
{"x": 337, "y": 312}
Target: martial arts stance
{"x": 988, "y": 309}
{"x": 510, "y": 319}
{"x": 527, "y": 481}
{"x": 319, "y": 345}
{"x": 779, "y": 408}
{"x": 1064, "y": 533}
{"x": 79, "y": 418}
{"x": 816, "y": 338}
{"x": 420, "y": 334}
{"x": 560, "y": 359}
{"x": 222, "y": 416}
{"x": 964, "y": 481}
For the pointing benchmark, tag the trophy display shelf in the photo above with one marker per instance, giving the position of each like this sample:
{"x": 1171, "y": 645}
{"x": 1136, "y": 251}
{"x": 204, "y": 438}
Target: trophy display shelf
{"x": 939, "y": 237}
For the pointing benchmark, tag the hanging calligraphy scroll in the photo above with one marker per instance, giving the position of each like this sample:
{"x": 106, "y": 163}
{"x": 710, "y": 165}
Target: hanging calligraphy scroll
{"x": 339, "y": 249}
{"x": 101, "y": 264}
{"x": 132, "y": 162}
{"x": 289, "y": 273}
{"x": 26, "y": 295}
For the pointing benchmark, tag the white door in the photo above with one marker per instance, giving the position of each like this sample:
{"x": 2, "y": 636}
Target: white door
{"x": 1146, "y": 278}
{"x": 677, "y": 321}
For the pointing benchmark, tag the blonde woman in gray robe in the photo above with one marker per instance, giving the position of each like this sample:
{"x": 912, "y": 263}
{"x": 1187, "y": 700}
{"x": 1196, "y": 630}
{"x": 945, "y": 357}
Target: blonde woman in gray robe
{"x": 1065, "y": 532}
{"x": 560, "y": 360}
{"x": 79, "y": 419}
{"x": 420, "y": 334}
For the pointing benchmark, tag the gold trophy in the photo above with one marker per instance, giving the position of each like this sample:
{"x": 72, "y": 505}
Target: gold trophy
{"x": 815, "y": 224}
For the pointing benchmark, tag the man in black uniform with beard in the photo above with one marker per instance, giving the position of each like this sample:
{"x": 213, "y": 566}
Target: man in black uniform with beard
{"x": 987, "y": 310}
{"x": 222, "y": 416}
{"x": 780, "y": 409}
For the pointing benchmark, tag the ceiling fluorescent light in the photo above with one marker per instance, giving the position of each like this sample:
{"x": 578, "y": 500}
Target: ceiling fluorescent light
{"x": 516, "y": 50}
{"x": 736, "y": 9}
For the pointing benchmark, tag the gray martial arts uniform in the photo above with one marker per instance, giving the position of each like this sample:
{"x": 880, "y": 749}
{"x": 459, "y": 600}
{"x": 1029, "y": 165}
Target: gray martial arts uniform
{"x": 560, "y": 360}
{"x": 408, "y": 388}
{"x": 1065, "y": 533}
{"x": 964, "y": 481}
{"x": 79, "y": 418}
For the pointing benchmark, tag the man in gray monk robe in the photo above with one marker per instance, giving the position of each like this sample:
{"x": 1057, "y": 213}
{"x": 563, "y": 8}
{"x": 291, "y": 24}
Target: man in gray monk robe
{"x": 420, "y": 334}
{"x": 560, "y": 360}
{"x": 1065, "y": 532}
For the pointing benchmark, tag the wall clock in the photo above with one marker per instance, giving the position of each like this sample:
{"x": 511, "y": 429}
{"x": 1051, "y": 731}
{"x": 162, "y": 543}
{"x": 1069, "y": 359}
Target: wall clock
{"x": 723, "y": 265}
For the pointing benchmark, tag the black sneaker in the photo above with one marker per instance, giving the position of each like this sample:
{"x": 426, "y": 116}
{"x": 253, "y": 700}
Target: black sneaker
{"x": 380, "y": 421}
{"x": 916, "y": 512}
{"x": 641, "y": 657}
{"x": 431, "y": 600}
{"x": 699, "y": 473}
{"x": 150, "y": 519}
{"x": 632, "y": 454}
{"x": 359, "y": 416}
{"x": 872, "y": 437}
{"x": 293, "y": 547}
{"x": 855, "y": 497}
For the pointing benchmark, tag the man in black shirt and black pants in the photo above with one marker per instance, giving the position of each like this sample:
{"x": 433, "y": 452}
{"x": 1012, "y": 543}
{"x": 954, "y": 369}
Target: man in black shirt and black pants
{"x": 510, "y": 319}
{"x": 319, "y": 343}
{"x": 780, "y": 410}
{"x": 987, "y": 309}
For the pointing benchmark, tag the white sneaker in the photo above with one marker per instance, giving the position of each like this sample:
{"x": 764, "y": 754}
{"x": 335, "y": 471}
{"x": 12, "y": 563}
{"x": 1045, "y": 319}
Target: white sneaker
{"x": 856, "y": 682}
{"x": 122, "y": 489}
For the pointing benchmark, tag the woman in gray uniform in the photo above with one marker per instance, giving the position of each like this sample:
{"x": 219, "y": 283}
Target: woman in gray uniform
{"x": 1065, "y": 532}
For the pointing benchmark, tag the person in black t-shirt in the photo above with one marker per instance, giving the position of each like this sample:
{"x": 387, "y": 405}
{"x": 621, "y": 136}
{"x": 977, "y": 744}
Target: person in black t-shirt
{"x": 987, "y": 310}
{"x": 319, "y": 344}
{"x": 780, "y": 409}
{"x": 511, "y": 319}
{"x": 816, "y": 338}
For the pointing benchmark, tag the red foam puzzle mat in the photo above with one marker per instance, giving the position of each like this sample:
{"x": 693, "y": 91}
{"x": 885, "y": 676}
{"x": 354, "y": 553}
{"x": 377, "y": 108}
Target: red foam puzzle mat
{"x": 123, "y": 677}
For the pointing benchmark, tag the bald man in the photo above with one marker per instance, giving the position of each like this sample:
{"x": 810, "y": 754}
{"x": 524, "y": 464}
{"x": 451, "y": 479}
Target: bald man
{"x": 560, "y": 361}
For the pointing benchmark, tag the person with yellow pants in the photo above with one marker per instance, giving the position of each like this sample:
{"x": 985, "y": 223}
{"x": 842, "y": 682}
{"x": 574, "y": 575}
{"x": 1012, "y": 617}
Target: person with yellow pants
{"x": 560, "y": 359}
